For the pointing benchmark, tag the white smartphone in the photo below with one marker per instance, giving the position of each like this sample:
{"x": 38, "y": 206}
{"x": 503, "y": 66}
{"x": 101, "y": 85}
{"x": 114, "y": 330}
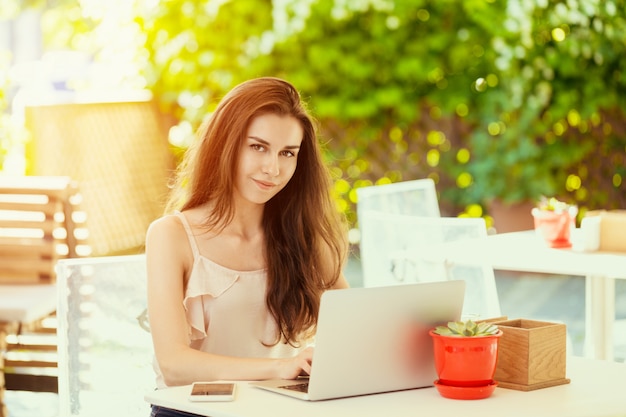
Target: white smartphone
{"x": 212, "y": 391}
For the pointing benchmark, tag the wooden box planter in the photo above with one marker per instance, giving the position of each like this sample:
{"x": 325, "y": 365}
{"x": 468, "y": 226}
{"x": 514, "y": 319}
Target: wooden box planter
{"x": 531, "y": 354}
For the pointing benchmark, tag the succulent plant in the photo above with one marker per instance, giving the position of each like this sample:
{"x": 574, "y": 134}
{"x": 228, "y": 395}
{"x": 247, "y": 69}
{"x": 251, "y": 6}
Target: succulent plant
{"x": 467, "y": 328}
{"x": 552, "y": 204}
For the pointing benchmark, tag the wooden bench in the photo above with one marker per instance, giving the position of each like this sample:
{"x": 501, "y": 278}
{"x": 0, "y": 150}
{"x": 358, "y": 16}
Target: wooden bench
{"x": 40, "y": 223}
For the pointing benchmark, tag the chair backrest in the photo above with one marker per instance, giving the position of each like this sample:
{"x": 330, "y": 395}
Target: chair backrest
{"x": 40, "y": 222}
{"x": 105, "y": 352}
{"x": 414, "y": 198}
{"x": 396, "y": 241}
{"x": 119, "y": 154}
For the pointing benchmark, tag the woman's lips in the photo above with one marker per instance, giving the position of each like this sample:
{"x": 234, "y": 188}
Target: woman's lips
{"x": 265, "y": 185}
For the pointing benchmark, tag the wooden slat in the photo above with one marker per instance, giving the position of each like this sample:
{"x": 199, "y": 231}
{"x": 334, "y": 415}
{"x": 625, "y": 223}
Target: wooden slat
{"x": 46, "y": 330}
{"x": 38, "y": 347}
{"x": 31, "y": 270}
{"x": 39, "y": 336}
{"x": 16, "y": 360}
{"x": 47, "y": 226}
{"x": 47, "y": 185}
{"x": 26, "y": 247}
{"x": 11, "y": 186}
{"x": 37, "y": 265}
{"x": 33, "y": 379}
{"x": 23, "y": 200}
{"x": 29, "y": 279}
{"x": 19, "y": 206}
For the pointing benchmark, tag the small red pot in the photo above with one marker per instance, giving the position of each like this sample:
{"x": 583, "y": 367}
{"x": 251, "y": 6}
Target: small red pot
{"x": 555, "y": 227}
{"x": 465, "y": 361}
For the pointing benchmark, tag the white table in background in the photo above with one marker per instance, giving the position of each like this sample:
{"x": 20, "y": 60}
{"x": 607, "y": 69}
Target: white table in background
{"x": 596, "y": 389}
{"x": 525, "y": 251}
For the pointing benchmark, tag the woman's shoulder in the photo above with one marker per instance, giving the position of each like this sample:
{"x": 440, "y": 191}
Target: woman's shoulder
{"x": 166, "y": 222}
{"x": 169, "y": 225}
{"x": 167, "y": 236}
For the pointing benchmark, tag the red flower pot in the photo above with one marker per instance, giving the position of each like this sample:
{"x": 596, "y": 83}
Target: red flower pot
{"x": 465, "y": 361}
{"x": 555, "y": 226}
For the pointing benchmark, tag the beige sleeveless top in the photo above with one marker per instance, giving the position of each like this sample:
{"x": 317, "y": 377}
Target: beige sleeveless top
{"x": 226, "y": 311}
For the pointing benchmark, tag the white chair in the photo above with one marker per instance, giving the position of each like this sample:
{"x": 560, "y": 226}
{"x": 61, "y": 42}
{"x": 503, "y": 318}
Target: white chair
{"x": 415, "y": 198}
{"x": 395, "y": 244}
{"x": 105, "y": 352}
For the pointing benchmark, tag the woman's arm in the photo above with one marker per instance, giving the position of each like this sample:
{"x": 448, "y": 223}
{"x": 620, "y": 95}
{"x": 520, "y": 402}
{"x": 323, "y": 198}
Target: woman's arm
{"x": 169, "y": 258}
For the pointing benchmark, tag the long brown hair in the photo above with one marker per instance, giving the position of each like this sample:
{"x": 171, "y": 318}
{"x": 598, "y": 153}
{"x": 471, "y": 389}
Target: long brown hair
{"x": 305, "y": 240}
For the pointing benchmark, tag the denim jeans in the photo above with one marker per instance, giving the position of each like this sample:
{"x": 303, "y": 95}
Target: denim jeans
{"x": 168, "y": 412}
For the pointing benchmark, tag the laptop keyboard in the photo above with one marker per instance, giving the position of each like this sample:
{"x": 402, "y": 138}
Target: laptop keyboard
{"x": 304, "y": 387}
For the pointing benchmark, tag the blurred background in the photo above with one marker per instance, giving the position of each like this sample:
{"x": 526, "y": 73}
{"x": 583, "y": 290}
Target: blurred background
{"x": 499, "y": 102}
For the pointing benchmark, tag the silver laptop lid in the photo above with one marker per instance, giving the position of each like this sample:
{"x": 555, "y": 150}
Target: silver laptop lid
{"x": 372, "y": 340}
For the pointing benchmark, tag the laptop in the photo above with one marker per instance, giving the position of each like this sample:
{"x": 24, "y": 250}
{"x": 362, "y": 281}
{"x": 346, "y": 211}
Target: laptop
{"x": 375, "y": 339}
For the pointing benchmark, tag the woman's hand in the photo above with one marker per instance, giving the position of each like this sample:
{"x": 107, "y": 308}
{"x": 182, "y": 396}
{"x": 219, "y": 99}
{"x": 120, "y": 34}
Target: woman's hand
{"x": 297, "y": 366}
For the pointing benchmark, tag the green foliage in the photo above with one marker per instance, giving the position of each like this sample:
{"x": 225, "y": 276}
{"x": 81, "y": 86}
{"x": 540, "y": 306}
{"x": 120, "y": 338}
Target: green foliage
{"x": 505, "y": 100}
{"x": 199, "y": 50}
{"x": 467, "y": 329}
{"x": 403, "y": 89}
{"x": 540, "y": 126}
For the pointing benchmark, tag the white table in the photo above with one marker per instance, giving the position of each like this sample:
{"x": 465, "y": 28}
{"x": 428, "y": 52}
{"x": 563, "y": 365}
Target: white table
{"x": 27, "y": 303}
{"x": 596, "y": 389}
{"x": 525, "y": 251}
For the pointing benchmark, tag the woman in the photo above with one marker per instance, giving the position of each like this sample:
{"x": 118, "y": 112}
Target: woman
{"x": 253, "y": 238}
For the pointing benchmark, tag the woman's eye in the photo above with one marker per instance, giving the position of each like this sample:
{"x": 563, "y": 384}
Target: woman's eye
{"x": 289, "y": 154}
{"x": 258, "y": 147}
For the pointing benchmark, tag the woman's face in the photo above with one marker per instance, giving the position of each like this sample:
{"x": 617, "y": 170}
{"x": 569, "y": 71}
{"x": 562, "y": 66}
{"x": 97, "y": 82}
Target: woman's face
{"x": 268, "y": 157}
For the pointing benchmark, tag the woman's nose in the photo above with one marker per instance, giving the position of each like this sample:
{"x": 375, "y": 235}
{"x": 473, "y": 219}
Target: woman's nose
{"x": 271, "y": 166}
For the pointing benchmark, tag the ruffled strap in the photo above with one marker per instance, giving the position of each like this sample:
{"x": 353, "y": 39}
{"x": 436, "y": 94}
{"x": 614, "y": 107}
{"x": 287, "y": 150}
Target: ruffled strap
{"x": 190, "y": 236}
{"x": 208, "y": 280}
